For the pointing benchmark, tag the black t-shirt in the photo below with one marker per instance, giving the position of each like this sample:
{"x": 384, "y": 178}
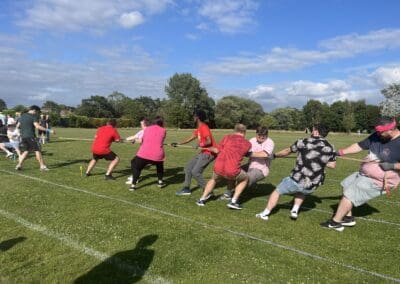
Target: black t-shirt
{"x": 313, "y": 155}
{"x": 3, "y": 134}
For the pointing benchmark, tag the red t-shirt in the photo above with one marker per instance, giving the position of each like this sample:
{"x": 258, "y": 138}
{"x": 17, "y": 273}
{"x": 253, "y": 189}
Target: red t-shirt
{"x": 105, "y": 135}
{"x": 232, "y": 150}
{"x": 202, "y": 132}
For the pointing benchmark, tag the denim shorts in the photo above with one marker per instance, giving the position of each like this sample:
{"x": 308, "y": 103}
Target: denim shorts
{"x": 289, "y": 186}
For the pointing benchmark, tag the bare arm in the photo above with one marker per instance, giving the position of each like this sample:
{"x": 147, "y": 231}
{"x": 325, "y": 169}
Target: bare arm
{"x": 211, "y": 149}
{"x": 38, "y": 126}
{"x": 331, "y": 165}
{"x": 261, "y": 154}
{"x": 190, "y": 139}
{"x": 352, "y": 149}
{"x": 283, "y": 153}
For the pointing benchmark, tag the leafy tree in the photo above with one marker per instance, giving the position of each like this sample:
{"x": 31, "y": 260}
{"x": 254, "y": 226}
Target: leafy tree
{"x": 51, "y": 106}
{"x": 391, "y": 106}
{"x": 19, "y": 108}
{"x": 185, "y": 96}
{"x": 316, "y": 112}
{"x": 284, "y": 118}
{"x": 269, "y": 121}
{"x": 232, "y": 109}
{"x": 95, "y": 106}
{"x": 337, "y": 112}
{"x": 349, "y": 122}
{"x": 117, "y": 101}
{"x": 3, "y": 105}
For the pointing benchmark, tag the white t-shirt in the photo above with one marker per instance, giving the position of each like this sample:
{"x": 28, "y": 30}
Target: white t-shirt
{"x": 13, "y": 134}
{"x": 262, "y": 164}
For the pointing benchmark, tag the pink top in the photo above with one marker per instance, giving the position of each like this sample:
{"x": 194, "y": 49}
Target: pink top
{"x": 261, "y": 164}
{"x": 374, "y": 171}
{"x": 152, "y": 144}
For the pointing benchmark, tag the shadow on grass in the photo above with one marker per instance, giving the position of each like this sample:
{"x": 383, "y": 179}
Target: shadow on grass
{"x": 171, "y": 176}
{"x": 123, "y": 267}
{"x": 257, "y": 190}
{"x": 361, "y": 211}
{"x": 68, "y": 163}
{"x": 7, "y": 244}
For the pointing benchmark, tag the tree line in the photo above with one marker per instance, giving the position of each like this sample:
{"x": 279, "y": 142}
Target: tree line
{"x": 184, "y": 95}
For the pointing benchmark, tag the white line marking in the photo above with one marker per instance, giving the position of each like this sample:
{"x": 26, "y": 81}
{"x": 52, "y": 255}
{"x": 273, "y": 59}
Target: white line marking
{"x": 66, "y": 240}
{"x": 218, "y": 228}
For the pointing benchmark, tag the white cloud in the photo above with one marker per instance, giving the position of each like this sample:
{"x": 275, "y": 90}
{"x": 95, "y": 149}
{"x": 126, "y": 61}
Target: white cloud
{"x": 260, "y": 91}
{"x": 94, "y": 15}
{"x": 287, "y": 59}
{"x": 384, "y": 76}
{"x": 132, "y": 19}
{"x": 230, "y": 16}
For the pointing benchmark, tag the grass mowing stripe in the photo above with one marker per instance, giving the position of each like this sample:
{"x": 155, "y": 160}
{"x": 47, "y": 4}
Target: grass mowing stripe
{"x": 218, "y": 228}
{"x": 66, "y": 240}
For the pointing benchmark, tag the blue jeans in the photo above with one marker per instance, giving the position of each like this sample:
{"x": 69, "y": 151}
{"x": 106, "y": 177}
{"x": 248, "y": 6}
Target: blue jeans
{"x": 289, "y": 186}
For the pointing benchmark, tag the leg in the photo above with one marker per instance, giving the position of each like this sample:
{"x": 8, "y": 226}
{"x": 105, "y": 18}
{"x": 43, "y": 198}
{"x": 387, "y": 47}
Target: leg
{"x": 197, "y": 170}
{"x": 239, "y": 189}
{"x": 39, "y": 158}
{"x": 112, "y": 165}
{"x": 209, "y": 188}
{"x": 137, "y": 165}
{"x": 91, "y": 165}
{"x": 188, "y": 171}
{"x": 21, "y": 159}
{"x": 4, "y": 148}
{"x": 297, "y": 201}
{"x": 344, "y": 209}
{"x": 273, "y": 200}
{"x": 160, "y": 170}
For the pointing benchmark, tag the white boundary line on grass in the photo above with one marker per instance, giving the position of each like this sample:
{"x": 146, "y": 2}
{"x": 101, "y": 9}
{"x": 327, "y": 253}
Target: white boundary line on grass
{"x": 218, "y": 228}
{"x": 66, "y": 240}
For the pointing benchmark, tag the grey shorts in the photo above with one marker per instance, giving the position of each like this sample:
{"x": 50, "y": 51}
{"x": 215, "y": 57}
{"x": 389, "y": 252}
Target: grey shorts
{"x": 289, "y": 186}
{"x": 254, "y": 176}
{"x": 360, "y": 189}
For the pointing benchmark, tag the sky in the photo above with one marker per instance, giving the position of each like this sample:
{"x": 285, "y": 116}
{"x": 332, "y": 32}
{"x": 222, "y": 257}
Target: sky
{"x": 279, "y": 53}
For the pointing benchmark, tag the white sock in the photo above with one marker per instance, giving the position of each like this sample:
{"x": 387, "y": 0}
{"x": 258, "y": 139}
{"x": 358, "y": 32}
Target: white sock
{"x": 296, "y": 208}
{"x": 266, "y": 212}
{"x": 234, "y": 200}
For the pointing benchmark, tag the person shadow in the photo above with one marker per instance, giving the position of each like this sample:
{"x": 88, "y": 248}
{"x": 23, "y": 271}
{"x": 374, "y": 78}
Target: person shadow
{"x": 360, "y": 211}
{"x": 7, "y": 244}
{"x": 123, "y": 267}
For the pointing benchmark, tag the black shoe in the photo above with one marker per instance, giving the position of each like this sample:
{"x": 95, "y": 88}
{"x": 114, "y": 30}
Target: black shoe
{"x": 348, "y": 221}
{"x": 161, "y": 184}
{"x": 109, "y": 177}
{"x": 88, "y": 174}
{"x": 330, "y": 224}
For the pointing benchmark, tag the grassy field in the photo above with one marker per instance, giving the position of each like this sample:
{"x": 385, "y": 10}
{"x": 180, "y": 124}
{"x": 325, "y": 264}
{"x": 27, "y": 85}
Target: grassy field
{"x": 59, "y": 227}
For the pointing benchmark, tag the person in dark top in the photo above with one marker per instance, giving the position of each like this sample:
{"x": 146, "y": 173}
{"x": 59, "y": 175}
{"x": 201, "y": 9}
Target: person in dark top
{"x": 41, "y": 133}
{"x": 27, "y": 124}
{"x": 378, "y": 173}
{"x": 48, "y": 125}
{"x": 313, "y": 155}
{"x": 4, "y": 139}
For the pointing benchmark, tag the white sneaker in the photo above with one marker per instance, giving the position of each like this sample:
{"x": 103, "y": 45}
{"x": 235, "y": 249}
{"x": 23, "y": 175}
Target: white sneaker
{"x": 9, "y": 155}
{"x": 294, "y": 215}
{"x": 262, "y": 216}
{"x": 44, "y": 168}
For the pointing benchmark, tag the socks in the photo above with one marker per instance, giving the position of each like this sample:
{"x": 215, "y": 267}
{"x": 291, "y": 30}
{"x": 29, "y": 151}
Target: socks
{"x": 266, "y": 212}
{"x": 295, "y": 208}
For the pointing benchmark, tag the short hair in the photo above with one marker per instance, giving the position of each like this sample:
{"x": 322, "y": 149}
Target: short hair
{"x": 201, "y": 114}
{"x": 35, "y": 108}
{"x": 322, "y": 129}
{"x": 145, "y": 121}
{"x": 262, "y": 131}
{"x": 241, "y": 128}
{"x": 159, "y": 120}
{"x": 384, "y": 120}
{"x": 112, "y": 122}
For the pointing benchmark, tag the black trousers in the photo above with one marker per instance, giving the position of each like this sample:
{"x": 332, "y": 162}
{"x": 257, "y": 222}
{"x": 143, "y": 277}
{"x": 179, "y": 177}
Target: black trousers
{"x": 138, "y": 164}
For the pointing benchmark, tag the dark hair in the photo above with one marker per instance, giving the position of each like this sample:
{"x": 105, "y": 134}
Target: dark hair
{"x": 384, "y": 120}
{"x": 159, "y": 121}
{"x": 146, "y": 122}
{"x": 35, "y": 108}
{"x": 112, "y": 122}
{"x": 322, "y": 129}
{"x": 262, "y": 131}
{"x": 201, "y": 114}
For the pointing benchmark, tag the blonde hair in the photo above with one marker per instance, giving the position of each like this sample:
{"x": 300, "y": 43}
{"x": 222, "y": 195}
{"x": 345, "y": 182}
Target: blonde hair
{"x": 241, "y": 128}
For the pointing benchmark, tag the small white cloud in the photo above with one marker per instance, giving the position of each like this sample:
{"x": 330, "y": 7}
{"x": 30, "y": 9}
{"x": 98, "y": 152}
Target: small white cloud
{"x": 191, "y": 36}
{"x": 130, "y": 20}
{"x": 385, "y": 76}
{"x": 260, "y": 91}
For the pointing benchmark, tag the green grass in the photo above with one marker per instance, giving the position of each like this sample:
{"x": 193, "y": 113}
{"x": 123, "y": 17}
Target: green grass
{"x": 57, "y": 226}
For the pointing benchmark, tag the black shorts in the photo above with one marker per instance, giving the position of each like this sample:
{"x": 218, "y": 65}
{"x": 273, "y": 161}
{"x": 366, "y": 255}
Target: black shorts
{"x": 109, "y": 157}
{"x": 41, "y": 132}
{"x": 30, "y": 144}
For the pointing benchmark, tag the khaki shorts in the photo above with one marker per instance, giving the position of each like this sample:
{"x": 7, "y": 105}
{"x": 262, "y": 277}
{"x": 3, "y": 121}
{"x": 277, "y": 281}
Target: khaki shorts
{"x": 238, "y": 178}
{"x": 360, "y": 189}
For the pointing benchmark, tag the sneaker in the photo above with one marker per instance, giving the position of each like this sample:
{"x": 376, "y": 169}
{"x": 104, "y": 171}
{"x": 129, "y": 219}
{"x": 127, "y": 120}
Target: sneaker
{"x": 44, "y": 168}
{"x": 210, "y": 195}
{"x": 184, "y": 191}
{"x": 227, "y": 195}
{"x": 109, "y": 177}
{"x": 88, "y": 174}
{"x": 348, "y": 221}
{"x": 262, "y": 216}
{"x": 9, "y": 155}
{"x": 236, "y": 206}
{"x": 161, "y": 184}
{"x": 330, "y": 224}
{"x": 132, "y": 187}
{"x": 294, "y": 215}
{"x": 201, "y": 202}
{"x": 18, "y": 168}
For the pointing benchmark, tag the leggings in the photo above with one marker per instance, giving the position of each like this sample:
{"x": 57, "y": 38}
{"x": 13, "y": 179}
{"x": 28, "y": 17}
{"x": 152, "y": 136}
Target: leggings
{"x": 138, "y": 164}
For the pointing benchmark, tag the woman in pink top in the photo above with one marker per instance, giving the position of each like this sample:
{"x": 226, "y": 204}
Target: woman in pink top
{"x": 151, "y": 152}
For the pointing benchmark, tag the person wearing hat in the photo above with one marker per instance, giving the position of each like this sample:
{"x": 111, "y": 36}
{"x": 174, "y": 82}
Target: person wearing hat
{"x": 13, "y": 136}
{"x": 378, "y": 174}
{"x": 27, "y": 124}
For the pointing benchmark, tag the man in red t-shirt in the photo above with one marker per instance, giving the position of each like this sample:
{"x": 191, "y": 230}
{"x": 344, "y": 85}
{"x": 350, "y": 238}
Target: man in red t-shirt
{"x": 195, "y": 167}
{"x": 231, "y": 151}
{"x": 105, "y": 135}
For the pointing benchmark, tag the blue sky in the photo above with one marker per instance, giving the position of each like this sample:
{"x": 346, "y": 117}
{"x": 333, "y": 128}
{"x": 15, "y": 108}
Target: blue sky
{"x": 278, "y": 53}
